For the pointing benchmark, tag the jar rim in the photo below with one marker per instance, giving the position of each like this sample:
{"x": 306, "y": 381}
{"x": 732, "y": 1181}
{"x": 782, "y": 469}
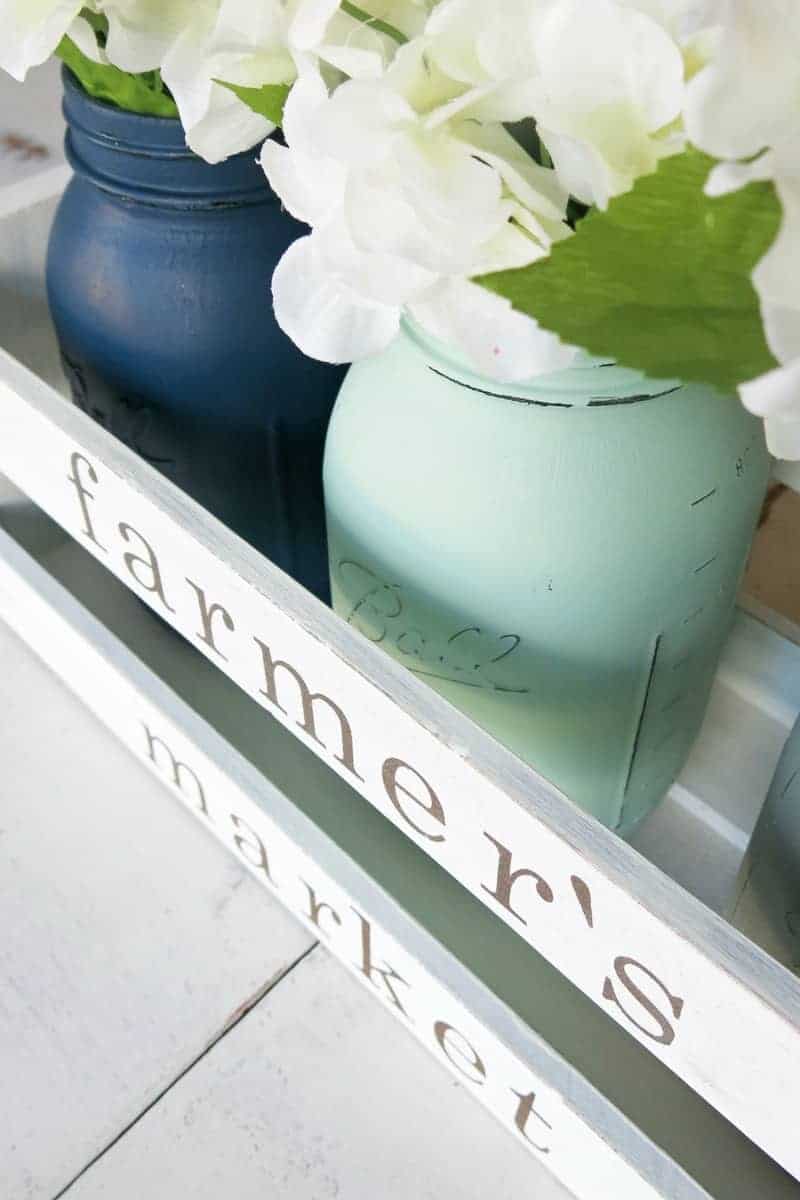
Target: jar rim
{"x": 576, "y": 386}
{"x": 144, "y": 158}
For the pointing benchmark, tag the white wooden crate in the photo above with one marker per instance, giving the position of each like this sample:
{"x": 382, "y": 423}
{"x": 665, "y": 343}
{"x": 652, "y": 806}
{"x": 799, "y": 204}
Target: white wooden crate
{"x": 589, "y": 1103}
{"x": 700, "y": 997}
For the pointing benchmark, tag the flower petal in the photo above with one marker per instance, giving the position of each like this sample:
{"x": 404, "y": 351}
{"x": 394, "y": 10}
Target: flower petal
{"x": 311, "y": 188}
{"x": 140, "y": 32}
{"x": 227, "y": 127}
{"x": 31, "y": 31}
{"x": 747, "y": 97}
{"x": 500, "y": 342}
{"x": 320, "y": 315}
{"x": 774, "y": 394}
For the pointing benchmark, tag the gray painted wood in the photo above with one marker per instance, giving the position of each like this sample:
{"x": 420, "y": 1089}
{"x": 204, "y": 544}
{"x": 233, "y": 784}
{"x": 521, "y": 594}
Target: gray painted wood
{"x": 318, "y": 1094}
{"x": 127, "y": 946}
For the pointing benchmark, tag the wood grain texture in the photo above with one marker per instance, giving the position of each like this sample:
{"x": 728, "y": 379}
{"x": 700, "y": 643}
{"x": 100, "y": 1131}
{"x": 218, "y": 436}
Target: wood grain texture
{"x": 126, "y": 948}
{"x": 317, "y": 1094}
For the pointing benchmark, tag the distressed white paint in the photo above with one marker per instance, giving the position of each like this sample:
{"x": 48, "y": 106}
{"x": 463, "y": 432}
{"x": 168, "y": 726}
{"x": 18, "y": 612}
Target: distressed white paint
{"x": 662, "y": 1130}
{"x": 714, "y": 982}
{"x": 127, "y": 944}
{"x": 318, "y": 1094}
{"x": 222, "y": 795}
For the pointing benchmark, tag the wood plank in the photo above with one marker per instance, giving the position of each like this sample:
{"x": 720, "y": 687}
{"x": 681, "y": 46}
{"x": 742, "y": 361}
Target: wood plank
{"x": 126, "y": 948}
{"x": 316, "y": 1094}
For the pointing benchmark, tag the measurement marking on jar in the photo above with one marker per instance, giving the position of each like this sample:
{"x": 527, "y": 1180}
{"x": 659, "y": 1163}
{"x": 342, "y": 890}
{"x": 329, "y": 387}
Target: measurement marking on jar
{"x": 693, "y": 615}
{"x": 680, "y": 662}
{"x": 707, "y": 563}
{"x": 672, "y": 702}
{"x": 707, "y": 496}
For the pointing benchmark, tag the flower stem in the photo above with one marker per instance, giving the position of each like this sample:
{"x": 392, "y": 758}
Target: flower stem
{"x": 360, "y": 14}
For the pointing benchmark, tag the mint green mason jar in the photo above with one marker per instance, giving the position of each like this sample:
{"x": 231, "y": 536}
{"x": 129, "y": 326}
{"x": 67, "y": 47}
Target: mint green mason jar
{"x": 559, "y": 559}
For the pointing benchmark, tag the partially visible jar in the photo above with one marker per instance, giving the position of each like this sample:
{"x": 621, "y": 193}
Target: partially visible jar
{"x": 158, "y": 277}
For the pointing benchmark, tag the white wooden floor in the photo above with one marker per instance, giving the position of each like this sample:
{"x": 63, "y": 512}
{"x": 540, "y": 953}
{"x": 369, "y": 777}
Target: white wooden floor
{"x": 167, "y": 1030}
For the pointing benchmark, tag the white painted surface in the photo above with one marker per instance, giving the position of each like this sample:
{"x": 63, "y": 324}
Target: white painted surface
{"x": 31, "y": 125}
{"x": 317, "y": 1094}
{"x": 580, "y": 1135}
{"x": 131, "y": 945}
{"x": 126, "y": 946}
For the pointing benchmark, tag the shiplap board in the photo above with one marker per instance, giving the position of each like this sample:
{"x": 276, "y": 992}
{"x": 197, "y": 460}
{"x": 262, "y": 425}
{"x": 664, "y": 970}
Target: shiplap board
{"x": 317, "y": 1094}
{"x": 709, "y": 983}
{"x": 127, "y": 946}
{"x": 471, "y": 972}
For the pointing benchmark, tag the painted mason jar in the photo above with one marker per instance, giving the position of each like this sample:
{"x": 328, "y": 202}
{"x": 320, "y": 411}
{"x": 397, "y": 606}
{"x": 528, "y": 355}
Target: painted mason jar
{"x": 158, "y": 280}
{"x": 558, "y": 559}
{"x": 767, "y": 901}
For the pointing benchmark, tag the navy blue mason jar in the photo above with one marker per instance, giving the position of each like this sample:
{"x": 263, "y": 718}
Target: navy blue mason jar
{"x": 158, "y": 281}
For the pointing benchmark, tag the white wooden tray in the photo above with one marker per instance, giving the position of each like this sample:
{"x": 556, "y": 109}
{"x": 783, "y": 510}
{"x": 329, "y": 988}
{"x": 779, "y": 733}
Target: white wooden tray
{"x": 627, "y": 932}
{"x": 600, "y": 1112}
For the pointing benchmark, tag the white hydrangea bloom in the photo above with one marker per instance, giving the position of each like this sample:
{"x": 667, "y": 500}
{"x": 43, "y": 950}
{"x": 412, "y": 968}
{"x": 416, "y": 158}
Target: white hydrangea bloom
{"x": 745, "y": 105}
{"x": 608, "y": 95}
{"x": 406, "y": 204}
{"x": 31, "y": 30}
{"x": 748, "y": 97}
{"x": 141, "y": 32}
{"x": 269, "y": 42}
{"x": 233, "y": 40}
{"x": 775, "y": 396}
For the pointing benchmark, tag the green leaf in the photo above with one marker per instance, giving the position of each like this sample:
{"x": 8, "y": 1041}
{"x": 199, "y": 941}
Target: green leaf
{"x": 661, "y": 280}
{"x": 267, "y": 101}
{"x": 136, "y": 93}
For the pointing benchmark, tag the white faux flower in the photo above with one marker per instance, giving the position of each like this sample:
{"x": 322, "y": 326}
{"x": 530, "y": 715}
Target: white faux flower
{"x": 253, "y": 44}
{"x": 141, "y": 32}
{"x": 775, "y": 396}
{"x": 748, "y": 97}
{"x": 745, "y": 105}
{"x": 31, "y": 30}
{"x": 405, "y": 206}
{"x": 237, "y": 41}
{"x": 608, "y": 92}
